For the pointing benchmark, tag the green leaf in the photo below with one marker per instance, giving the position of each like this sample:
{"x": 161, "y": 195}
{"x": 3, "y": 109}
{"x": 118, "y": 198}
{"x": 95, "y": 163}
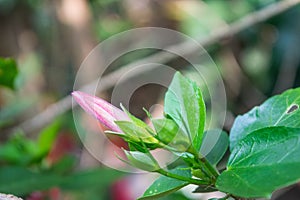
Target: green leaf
{"x": 214, "y": 145}
{"x": 262, "y": 162}
{"x": 280, "y": 110}
{"x": 176, "y": 195}
{"x": 47, "y": 137}
{"x": 141, "y": 160}
{"x": 166, "y": 185}
{"x": 10, "y": 154}
{"x": 169, "y": 133}
{"x": 166, "y": 129}
{"x": 8, "y": 72}
{"x": 185, "y": 105}
{"x": 64, "y": 165}
{"x": 19, "y": 150}
{"x": 20, "y": 181}
{"x": 89, "y": 179}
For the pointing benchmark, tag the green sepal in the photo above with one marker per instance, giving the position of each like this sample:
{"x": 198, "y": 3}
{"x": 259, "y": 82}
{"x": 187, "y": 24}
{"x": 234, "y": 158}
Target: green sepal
{"x": 170, "y": 134}
{"x": 143, "y": 161}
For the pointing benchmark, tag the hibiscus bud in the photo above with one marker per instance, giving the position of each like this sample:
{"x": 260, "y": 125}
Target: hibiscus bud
{"x": 105, "y": 112}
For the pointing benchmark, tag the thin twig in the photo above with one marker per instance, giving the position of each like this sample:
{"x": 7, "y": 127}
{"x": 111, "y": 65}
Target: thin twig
{"x": 185, "y": 48}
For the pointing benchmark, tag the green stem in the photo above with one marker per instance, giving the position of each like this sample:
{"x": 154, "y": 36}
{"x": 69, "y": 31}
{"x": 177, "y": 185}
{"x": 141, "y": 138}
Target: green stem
{"x": 210, "y": 168}
{"x": 214, "y": 173}
{"x": 182, "y": 178}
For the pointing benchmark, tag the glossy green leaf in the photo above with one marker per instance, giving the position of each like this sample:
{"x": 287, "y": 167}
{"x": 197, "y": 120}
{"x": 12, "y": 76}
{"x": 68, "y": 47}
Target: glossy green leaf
{"x": 214, "y": 145}
{"x": 280, "y": 110}
{"x": 8, "y": 72}
{"x": 185, "y": 105}
{"x": 262, "y": 162}
{"x": 169, "y": 133}
{"x": 165, "y": 185}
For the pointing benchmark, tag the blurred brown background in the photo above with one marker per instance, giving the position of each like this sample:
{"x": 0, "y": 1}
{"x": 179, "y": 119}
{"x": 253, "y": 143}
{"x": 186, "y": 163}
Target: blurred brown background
{"x": 49, "y": 39}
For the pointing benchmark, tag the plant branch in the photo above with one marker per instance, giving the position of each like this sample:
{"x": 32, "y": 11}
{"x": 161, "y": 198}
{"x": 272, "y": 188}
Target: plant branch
{"x": 185, "y": 48}
{"x": 210, "y": 170}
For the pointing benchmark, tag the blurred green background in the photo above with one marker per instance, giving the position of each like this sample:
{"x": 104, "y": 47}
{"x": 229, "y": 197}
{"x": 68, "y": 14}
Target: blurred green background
{"x": 43, "y": 42}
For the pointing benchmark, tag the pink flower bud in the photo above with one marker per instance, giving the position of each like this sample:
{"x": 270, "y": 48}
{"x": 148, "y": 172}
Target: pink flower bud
{"x": 105, "y": 112}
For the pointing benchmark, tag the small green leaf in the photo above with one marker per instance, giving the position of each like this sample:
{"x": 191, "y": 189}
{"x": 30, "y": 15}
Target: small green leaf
{"x": 280, "y": 110}
{"x": 47, "y": 137}
{"x": 166, "y": 185}
{"x": 169, "y": 133}
{"x": 8, "y": 72}
{"x": 141, "y": 160}
{"x": 19, "y": 150}
{"x": 214, "y": 145}
{"x": 185, "y": 105}
{"x": 265, "y": 160}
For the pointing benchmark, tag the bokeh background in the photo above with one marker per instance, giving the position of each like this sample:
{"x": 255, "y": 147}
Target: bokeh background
{"x": 43, "y": 158}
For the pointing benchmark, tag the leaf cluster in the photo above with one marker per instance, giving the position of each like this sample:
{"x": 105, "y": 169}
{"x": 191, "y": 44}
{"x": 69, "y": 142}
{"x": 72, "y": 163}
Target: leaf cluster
{"x": 264, "y": 145}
